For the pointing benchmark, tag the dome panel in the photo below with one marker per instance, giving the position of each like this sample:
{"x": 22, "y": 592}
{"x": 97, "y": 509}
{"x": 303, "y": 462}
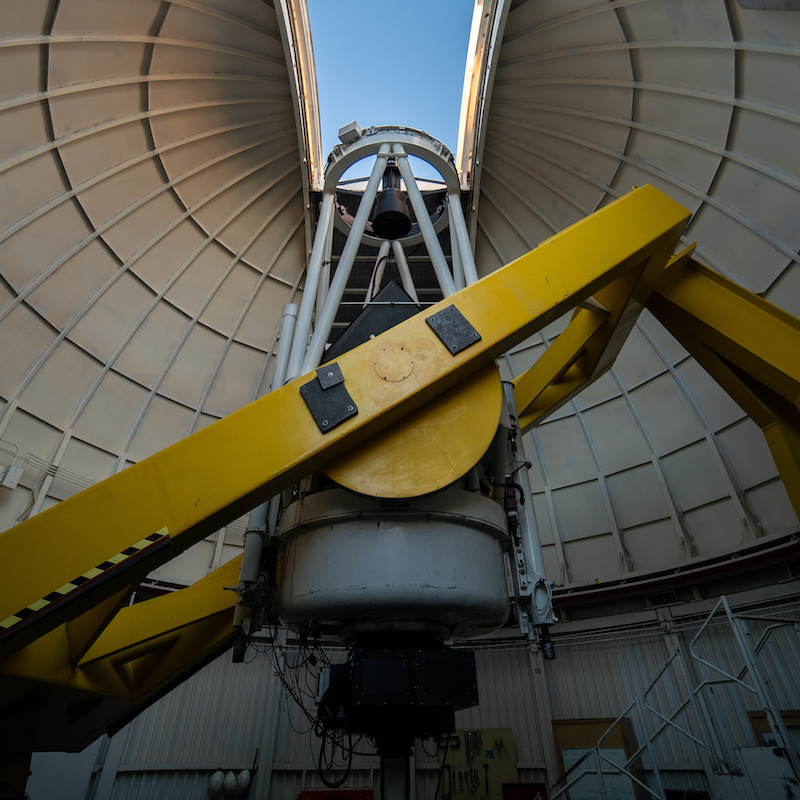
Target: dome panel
{"x": 679, "y": 20}
{"x": 637, "y": 497}
{"x": 24, "y": 335}
{"x": 163, "y": 422}
{"x": 29, "y": 185}
{"x": 93, "y": 160}
{"x": 695, "y": 476}
{"x": 581, "y": 512}
{"x": 785, "y": 291}
{"x": 20, "y": 127}
{"x": 687, "y": 165}
{"x": 165, "y": 258}
{"x": 747, "y": 452}
{"x": 67, "y": 367}
{"x": 61, "y": 297}
{"x": 38, "y": 243}
{"x": 603, "y": 389}
{"x": 670, "y": 68}
{"x": 110, "y": 412}
{"x": 565, "y": 453}
{"x": 669, "y": 421}
{"x": 202, "y": 270}
{"x": 268, "y": 302}
{"x": 756, "y": 80}
{"x": 617, "y": 439}
{"x": 640, "y": 362}
{"x": 771, "y": 506}
{"x": 229, "y": 297}
{"x": 739, "y": 250}
{"x": 99, "y": 16}
{"x": 146, "y": 352}
{"x": 81, "y": 68}
{"x": 713, "y": 528}
{"x": 82, "y": 464}
{"x": 669, "y": 349}
{"x": 224, "y": 27}
{"x": 673, "y": 112}
{"x": 190, "y": 366}
{"x": 653, "y": 546}
{"x": 20, "y": 67}
{"x": 638, "y": 173}
{"x": 590, "y": 559}
{"x": 715, "y": 406}
{"x": 237, "y": 382}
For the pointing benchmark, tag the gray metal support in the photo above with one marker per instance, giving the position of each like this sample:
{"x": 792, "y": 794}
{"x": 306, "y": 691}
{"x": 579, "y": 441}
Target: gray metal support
{"x": 396, "y": 778}
{"x": 303, "y": 327}
{"x": 531, "y": 545}
{"x": 376, "y": 278}
{"x": 405, "y": 272}
{"x": 325, "y": 274}
{"x": 327, "y": 314}
{"x": 257, "y": 521}
{"x": 440, "y": 266}
{"x": 458, "y": 266}
{"x": 459, "y": 225}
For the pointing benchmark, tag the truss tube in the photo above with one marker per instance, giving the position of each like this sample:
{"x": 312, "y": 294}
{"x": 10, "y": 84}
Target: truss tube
{"x": 327, "y": 314}
{"x": 405, "y": 272}
{"x": 458, "y": 267}
{"x": 438, "y": 260}
{"x": 459, "y": 225}
{"x": 377, "y": 271}
{"x": 325, "y": 276}
{"x": 257, "y": 522}
{"x": 303, "y": 326}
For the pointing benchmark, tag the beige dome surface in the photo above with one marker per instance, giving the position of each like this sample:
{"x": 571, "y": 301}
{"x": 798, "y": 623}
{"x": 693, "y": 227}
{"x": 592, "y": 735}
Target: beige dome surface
{"x": 152, "y": 228}
{"x": 155, "y": 166}
{"x": 652, "y": 466}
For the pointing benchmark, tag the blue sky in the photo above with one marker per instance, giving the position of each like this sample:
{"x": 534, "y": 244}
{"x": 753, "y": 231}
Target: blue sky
{"x": 384, "y": 62}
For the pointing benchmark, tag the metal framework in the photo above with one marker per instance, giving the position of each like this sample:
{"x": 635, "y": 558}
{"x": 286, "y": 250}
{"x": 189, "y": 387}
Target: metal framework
{"x": 73, "y": 654}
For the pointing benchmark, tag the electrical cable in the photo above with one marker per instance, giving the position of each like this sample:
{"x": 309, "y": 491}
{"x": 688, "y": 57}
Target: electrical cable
{"x": 543, "y": 610}
{"x": 430, "y": 755}
{"x": 333, "y": 784}
{"x": 441, "y": 768}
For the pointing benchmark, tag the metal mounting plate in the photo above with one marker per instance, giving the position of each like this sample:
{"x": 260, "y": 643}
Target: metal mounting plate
{"x": 330, "y": 375}
{"x": 453, "y": 328}
{"x": 329, "y": 407}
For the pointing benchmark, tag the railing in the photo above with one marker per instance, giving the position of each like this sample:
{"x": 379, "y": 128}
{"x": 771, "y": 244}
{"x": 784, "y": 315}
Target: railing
{"x": 705, "y": 736}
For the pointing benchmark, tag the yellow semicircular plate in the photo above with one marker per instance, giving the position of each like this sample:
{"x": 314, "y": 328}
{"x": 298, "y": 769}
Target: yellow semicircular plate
{"x": 429, "y": 449}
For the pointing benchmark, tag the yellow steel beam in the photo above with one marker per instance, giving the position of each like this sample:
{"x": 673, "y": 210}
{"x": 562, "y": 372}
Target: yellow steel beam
{"x": 200, "y": 483}
{"x": 555, "y": 377}
{"x": 750, "y": 347}
{"x": 145, "y": 648}
{"x": 588, "y": 346}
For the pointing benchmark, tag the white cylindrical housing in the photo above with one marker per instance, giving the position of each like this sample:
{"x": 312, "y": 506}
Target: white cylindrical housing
{"x": 352, "y": 564}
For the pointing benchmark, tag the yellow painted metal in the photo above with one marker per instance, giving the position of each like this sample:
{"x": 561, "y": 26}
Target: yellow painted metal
{"x": 420, "y": 454}
{"x": 200, "y": 483}
{"x": 83, "y": 631}
{"x": 588, "y": 346}
{"x": 146, "y": 647}
{"x": 750, "y": 347}
{"x": 556, "y": 376}
{"x": 113, "y": 533}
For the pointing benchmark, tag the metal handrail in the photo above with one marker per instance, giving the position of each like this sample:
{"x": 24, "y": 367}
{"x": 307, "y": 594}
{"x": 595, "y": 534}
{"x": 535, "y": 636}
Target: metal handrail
{"x": 709, "y": 741}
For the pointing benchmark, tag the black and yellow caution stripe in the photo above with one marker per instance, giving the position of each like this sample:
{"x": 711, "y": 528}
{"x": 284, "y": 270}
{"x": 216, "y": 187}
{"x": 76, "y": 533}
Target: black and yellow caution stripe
{"x": 88, "y": 580}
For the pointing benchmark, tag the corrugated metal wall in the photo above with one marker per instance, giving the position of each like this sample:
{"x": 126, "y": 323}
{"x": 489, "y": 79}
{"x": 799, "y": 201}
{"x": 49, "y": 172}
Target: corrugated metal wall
{"x": 235, "y": 716}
